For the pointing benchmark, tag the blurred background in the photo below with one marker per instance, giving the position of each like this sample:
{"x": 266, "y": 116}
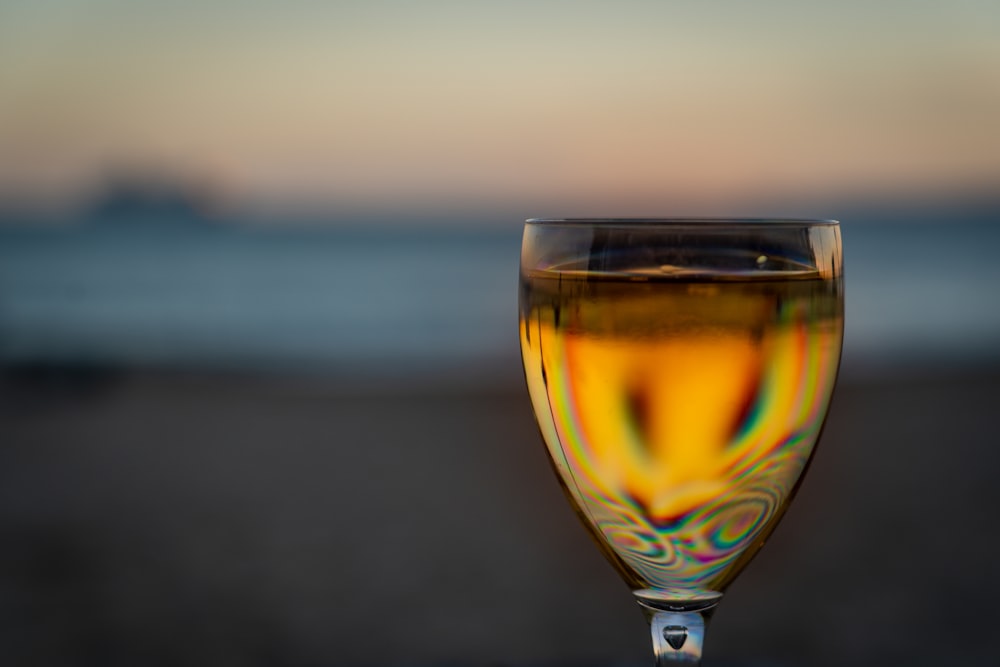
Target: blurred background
{"x": 260, "y": 393}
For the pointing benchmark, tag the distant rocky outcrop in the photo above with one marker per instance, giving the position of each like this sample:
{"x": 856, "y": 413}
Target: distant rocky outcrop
{"x": 139, "y": 199}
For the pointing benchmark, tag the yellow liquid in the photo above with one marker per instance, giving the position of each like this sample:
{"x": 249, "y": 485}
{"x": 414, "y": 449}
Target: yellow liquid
{"x": 680, "y": 412}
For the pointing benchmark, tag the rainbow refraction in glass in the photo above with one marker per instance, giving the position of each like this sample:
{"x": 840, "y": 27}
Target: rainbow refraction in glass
{"x": 680, "y": 411}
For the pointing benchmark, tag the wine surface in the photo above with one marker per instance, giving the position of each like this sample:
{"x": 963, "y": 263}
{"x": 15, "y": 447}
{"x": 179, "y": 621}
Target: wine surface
{"x": 680, "y": 411}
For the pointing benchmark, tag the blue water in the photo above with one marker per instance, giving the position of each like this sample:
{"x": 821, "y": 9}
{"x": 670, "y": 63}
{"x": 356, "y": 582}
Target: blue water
{"x": 422, "y": 300}
{"x": 922, "y": 292}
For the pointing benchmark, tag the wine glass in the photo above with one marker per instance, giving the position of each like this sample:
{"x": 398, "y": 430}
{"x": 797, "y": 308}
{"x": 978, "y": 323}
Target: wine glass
{"x": 680, "y": 372}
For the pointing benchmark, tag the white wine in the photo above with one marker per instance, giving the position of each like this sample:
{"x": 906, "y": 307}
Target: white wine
{"x": 680, "y": 408}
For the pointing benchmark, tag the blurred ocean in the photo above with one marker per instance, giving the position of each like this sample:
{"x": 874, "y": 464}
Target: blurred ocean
{"x": 178, "y": 291}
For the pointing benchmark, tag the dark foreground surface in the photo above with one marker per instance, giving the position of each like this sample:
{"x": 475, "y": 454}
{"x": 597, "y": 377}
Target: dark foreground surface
{"x": 170, "y": 519}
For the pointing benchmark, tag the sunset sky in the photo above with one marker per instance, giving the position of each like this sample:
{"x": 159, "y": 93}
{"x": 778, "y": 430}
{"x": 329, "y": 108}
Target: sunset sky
{"x": 587, "y": 106}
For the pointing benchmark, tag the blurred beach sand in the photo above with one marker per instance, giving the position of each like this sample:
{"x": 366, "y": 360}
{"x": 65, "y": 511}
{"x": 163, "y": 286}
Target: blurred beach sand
{"x": 222, "y": 519}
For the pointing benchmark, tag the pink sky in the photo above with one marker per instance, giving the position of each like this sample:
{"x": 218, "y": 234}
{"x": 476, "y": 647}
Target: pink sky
{"x": 629, "y": 106}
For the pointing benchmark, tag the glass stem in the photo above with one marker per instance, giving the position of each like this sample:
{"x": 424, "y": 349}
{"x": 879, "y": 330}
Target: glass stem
{"x": 678, "y": 636}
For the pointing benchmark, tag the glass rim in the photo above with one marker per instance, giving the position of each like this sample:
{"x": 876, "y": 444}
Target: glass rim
{"x": 685, "y": 222}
